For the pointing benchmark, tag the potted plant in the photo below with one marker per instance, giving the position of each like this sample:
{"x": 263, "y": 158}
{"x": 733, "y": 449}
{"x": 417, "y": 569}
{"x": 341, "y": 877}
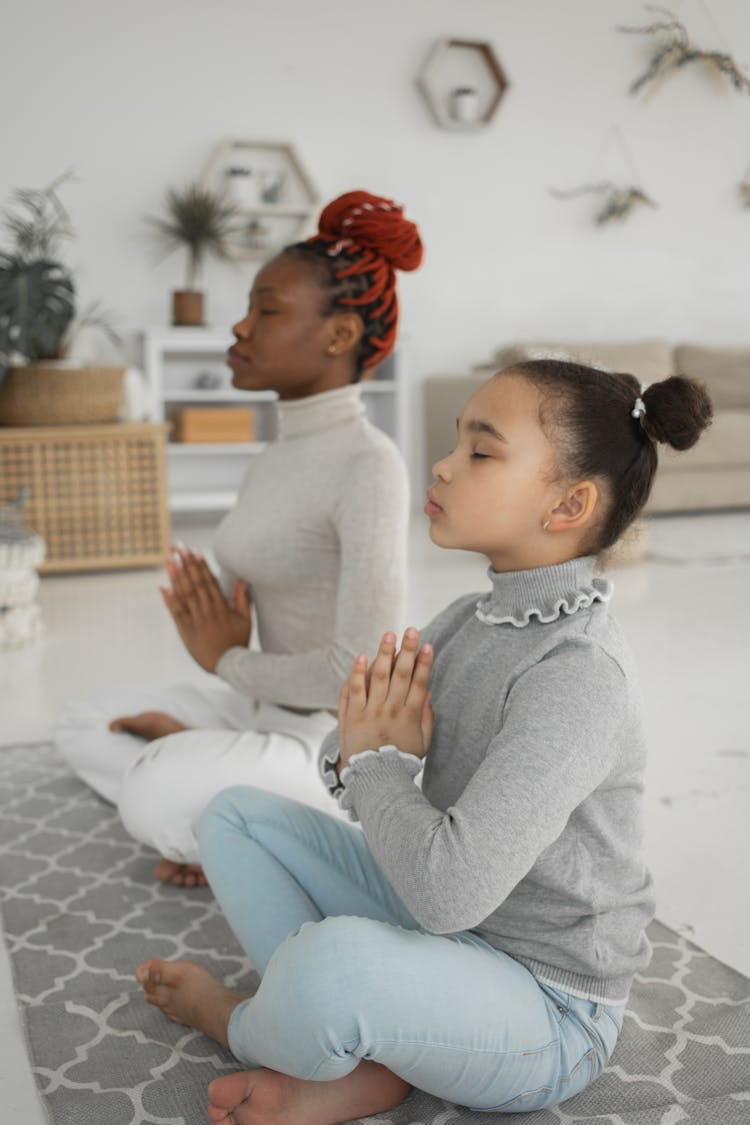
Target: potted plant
{"x": 37, "y": 323}
{"x": 201, "y": 221}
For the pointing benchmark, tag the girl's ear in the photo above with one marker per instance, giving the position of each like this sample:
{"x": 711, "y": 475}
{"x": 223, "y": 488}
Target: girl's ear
{"x": 346, "y": 332}
{"x": 576, "y": 510}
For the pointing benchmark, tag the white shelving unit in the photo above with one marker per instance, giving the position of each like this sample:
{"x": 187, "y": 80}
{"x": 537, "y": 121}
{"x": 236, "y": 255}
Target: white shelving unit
{"x": 205, "y": 477}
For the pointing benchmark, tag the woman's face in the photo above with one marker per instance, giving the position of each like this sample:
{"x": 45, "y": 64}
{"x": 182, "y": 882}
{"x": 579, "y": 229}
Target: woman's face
{"x": 284, "y": 343}
{"x": 494, "y": 491}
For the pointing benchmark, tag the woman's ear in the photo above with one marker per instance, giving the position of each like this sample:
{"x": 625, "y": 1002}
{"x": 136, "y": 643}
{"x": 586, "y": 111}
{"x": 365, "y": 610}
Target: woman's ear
{"x": 576, "y": 510}
{"x": 346, "y": 333}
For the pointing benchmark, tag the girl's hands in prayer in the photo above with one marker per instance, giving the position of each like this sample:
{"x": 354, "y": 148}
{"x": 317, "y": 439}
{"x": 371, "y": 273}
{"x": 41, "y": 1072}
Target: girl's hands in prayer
{"x": 207, "y": 623}
{"x": 390, "y": 704}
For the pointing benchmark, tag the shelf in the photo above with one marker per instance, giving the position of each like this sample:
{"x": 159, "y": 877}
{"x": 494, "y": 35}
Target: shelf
{"x": 214, "y": 448}
{"x": 195, "y": 394}
{"x": 202, "y": 501}
{"x": 462, "y": 65}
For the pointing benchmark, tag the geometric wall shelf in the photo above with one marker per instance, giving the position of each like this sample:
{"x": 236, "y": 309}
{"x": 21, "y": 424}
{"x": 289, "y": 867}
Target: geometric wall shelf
{"x": 463, "y": 83}
{"x": 268, "y": 183}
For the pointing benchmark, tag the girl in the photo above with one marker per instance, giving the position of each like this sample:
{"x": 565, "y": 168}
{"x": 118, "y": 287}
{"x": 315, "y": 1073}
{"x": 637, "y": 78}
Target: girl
{"x": 478, "y": 938}
{"x": 319, "y": 520}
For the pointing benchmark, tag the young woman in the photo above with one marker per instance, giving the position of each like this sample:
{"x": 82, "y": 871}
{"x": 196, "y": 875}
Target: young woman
{"x": 478, "y": 938}
{"x": 315, "y": 541}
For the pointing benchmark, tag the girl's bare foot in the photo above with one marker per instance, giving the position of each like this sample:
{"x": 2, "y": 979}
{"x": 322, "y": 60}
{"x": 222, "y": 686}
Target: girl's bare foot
{"x": 265, "y": 1097}
{"x": 148, "y": 724}
{"x": 180, "y": 874}
{"x": 187, "y": 993}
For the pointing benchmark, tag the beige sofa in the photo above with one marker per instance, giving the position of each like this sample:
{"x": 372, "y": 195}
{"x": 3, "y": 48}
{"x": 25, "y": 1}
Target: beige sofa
{"x": 714, "y": 474}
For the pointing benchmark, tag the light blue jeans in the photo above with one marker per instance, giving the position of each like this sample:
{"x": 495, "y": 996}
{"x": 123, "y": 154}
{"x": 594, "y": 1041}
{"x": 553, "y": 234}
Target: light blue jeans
{"x": 347, "y": 974}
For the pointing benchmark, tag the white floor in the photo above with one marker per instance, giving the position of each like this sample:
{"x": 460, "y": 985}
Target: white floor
{"x": 686, "y": 610}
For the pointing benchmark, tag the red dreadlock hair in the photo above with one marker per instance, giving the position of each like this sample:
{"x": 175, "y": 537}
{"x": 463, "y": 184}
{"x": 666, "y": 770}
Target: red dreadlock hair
{"x": 362, "y": 240}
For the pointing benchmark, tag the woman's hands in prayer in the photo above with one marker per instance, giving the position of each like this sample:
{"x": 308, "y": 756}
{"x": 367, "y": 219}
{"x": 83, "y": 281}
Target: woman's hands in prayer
{"x": 389, "y": 703}
{"x": 208, "y": 624}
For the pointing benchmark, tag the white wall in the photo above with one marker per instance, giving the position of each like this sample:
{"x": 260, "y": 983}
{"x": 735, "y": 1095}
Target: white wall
{"x": 135, "y": 96}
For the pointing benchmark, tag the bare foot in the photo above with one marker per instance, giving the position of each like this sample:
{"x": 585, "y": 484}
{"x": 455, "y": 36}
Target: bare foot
{"x": 180, "y": 874}
{"x": 148, "y": 724}
{"x": 187, "y": 993}
{"x": 265, "y": 1097}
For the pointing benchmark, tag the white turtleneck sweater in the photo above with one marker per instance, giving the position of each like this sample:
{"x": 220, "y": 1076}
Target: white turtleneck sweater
{"x": 529, "y": 826}
{"x": 319, "y": 533}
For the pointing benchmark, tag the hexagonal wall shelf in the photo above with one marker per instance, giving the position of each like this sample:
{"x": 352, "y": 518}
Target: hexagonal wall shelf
{"x": 271, "y": 188}
{"x": 463, "y": 83}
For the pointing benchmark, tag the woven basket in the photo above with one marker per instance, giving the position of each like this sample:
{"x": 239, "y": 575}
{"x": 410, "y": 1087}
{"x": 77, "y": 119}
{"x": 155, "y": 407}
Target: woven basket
{"x": 46, "y": 395}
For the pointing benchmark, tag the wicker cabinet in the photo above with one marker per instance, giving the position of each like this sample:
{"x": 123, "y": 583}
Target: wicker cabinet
{"x": 96, "y": 494}
{"x": 185, "y": 367}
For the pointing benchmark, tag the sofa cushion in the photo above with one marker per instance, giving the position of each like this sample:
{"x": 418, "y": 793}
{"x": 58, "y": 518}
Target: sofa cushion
{"x": 648, "y": 360}
{"x": 724, "y": 444}
{"x": 725, "y": 371}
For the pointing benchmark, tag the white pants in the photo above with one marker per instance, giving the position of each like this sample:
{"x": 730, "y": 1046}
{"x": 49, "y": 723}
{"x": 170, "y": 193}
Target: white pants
{"x": 162, "y": 787}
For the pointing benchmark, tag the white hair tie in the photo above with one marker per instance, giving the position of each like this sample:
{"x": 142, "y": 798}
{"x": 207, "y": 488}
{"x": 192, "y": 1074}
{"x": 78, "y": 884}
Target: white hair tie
{"x": 639, "y": 409}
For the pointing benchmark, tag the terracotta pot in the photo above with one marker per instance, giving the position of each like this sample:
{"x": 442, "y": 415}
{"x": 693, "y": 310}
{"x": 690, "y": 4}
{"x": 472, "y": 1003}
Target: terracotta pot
{"x": 45, "y": 394}
{"x": 187, "y": 306}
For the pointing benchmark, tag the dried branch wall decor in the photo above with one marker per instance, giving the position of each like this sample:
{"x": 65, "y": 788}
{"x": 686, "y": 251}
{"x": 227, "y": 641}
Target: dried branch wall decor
{"x": 677, "y": 52}
{"x": 617, "y": 203}
{"x": 744, "y": 189}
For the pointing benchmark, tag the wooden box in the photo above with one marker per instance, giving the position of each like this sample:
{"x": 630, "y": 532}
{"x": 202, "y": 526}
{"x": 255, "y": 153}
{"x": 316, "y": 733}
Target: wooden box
{"x": 97, "y": 494}
{"x": 214, "y": 424}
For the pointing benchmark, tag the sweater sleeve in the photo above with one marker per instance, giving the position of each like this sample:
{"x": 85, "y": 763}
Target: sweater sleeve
{"x": 556, "y": 744}
{"x": 370, "y": 516}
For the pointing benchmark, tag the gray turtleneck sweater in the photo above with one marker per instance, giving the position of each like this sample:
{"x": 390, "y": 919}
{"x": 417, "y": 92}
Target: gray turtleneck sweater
{"x": 319, "y": 533}
{"x": 528, "y": 829}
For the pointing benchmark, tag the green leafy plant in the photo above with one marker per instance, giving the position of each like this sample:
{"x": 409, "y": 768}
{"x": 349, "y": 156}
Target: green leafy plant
{"x": 198, "y": 220}
{"x": 37, "y": 292}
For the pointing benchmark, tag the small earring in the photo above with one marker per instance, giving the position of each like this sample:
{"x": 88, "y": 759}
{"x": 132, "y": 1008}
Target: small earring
{"x": 331, "y": 349}
{"x": 545, "y": 525}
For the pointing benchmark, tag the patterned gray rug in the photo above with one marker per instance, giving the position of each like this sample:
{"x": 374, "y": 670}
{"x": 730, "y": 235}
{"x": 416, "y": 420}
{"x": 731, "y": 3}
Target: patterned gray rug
{"x": 80, "y": 910}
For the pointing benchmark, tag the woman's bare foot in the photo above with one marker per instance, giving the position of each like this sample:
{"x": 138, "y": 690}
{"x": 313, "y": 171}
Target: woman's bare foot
{"x": 265, "y": 1097}
{"x": 180, "y": 874}
{"x": 187, "y": 993}
{"x": 148, "y": 724}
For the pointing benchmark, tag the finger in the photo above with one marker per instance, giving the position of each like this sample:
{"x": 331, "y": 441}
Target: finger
{"x": 179, "y": 608}
{"x": 380, "y": 672}
{"x": 206, "y": 592}
{"x": 420, "y": 678}
{"x": 241, "y": 599}
{"x": 403, "y": 669}
{"x": 343, "y": 704}
{"x": 427, "y": 722}
{"x": 356, "y": 683}
{"x": 178, "y": 577}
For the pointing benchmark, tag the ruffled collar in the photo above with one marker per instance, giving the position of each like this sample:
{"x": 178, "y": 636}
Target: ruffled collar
{"x": 300, "y": 416}
{"x": 544, "y": 593}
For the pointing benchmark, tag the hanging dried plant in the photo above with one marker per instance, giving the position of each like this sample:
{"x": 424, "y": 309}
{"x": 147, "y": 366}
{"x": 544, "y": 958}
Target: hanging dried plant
{"x": 677, "y": 52}
{"x": 744, "y": 190}
{"x": 617, "y": 203}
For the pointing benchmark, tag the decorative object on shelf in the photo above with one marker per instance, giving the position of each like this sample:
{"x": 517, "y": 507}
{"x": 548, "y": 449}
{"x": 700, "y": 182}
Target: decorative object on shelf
{"x": 676, "y": 52}
{"x": 22, "y": 552}
{"x": 201, "y": 221}
{"x": 38, "y": 323}
{"x": 465, "y": 104}
{"x": 617, "y": 203}
{"x": 214, "y": 424}
{"x": 463, "y": 83}
{"x": 242, "y": 185}
{"x": 280, "y": 198}
{"x": 208, "y": 381}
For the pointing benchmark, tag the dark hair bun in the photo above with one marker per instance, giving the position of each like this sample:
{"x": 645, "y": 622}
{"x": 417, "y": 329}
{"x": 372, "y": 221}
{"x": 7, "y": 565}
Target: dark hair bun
{"x": 376, "y": 224}
{"x": 678, "y": 409}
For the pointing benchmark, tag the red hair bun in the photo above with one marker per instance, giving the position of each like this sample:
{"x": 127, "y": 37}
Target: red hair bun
{"x": 375, "y": 224}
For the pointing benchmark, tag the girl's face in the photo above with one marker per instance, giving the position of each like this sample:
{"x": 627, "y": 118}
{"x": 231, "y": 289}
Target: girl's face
{"x": 493, "y": 493}
{"x": 284, "y": 343}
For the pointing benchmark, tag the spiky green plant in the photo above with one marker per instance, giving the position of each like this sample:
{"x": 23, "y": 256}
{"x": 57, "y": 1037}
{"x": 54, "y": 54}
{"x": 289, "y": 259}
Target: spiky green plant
{"x": 199, "y": 220}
